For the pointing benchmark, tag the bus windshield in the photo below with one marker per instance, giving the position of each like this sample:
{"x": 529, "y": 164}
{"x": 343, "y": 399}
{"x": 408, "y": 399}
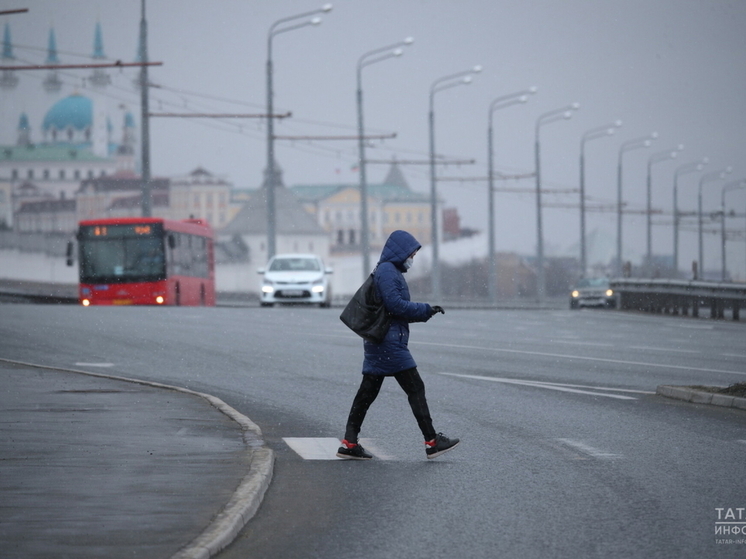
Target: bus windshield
{"x": 121, "y": 254}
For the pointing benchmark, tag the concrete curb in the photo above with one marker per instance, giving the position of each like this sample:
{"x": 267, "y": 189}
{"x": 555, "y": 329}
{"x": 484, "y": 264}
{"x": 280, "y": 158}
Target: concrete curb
{"x": 249, "y": 494}
{"x": 701, "y": 397}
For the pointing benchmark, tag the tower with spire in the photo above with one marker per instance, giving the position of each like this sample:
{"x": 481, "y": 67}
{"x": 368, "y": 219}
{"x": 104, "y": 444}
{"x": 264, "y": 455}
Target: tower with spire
{"x": 8, "y": 80}
{"x": 24, "y": 131}
{"x": 52, "y": 83}
{"x": 99, "y": 77}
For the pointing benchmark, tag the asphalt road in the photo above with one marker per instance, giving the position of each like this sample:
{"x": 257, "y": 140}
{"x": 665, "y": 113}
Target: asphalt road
{"x": 566, "y": 451}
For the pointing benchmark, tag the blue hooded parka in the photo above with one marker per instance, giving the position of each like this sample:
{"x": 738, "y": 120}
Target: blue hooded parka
{"x": 392, "y": 354}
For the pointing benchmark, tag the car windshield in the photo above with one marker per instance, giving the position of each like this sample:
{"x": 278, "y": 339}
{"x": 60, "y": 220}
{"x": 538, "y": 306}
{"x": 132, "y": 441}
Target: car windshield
{"x": 593, "y": 282}
{"x": 294, "y": 265}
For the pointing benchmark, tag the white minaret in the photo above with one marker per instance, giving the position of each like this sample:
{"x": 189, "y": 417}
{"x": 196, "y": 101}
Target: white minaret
{"x": 100, "y": 128}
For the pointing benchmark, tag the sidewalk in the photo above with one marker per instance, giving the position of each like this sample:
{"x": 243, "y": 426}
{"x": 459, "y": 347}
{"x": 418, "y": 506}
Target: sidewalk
{"x": 95, "y": 467}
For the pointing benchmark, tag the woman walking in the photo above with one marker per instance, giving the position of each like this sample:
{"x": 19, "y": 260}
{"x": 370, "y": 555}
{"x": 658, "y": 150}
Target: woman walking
{"x": 391, "y": 357}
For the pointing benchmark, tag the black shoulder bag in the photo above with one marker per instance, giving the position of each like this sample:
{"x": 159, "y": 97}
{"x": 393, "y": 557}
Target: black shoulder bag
{"x": 365, "y": 314}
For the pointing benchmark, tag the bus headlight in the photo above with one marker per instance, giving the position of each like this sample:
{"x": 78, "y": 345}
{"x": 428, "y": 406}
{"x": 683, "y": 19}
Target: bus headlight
{"x": 609, "y": 292}
{"x": 85, "y": 302}
{"x": 159, "y": 299}
{"x": 576, "y": 293}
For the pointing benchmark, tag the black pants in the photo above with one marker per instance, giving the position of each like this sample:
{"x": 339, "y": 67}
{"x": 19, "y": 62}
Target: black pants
{"x": 410, "y": 382}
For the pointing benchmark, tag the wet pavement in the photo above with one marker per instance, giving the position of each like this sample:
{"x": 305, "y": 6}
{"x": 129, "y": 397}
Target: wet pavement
{"x": 95, "y": 467}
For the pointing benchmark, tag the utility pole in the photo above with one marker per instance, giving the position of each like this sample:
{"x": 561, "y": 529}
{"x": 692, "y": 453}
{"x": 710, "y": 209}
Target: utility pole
{"x": 146, "y": 199}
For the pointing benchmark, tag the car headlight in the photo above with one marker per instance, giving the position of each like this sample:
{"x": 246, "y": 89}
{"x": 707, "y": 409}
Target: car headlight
{"x": 609, "y": 292}
{"x": 267, "y": 287}
{"x": 318, "y": 286}
{"x": 576, "y": 293}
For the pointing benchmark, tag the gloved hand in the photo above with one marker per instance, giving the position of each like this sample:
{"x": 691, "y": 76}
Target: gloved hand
{"x": 437, "y": 309}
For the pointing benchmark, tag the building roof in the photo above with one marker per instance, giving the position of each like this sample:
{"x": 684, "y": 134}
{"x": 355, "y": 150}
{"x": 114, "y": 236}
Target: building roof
{"x": 395, "y": 176}
{"x": 48, "y": 152}
{"x": 394, "y": 188}
{"x": 199, "y": 176}
{"x": 159, "y": 198}
{"x": 291, "y": 218}
{"x": 121, "y": 182}
{"x": 47, "y": 206}
{"x": 75, "y": 111}
{"x": 385, "y": 192}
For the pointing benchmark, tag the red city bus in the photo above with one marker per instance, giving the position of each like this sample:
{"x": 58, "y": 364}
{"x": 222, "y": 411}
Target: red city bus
{"x": 145, "y": 261}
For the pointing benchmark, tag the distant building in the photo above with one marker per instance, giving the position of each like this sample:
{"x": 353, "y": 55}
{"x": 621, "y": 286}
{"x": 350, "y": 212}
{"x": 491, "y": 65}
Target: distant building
{"x": 391, "y": 205}
{"x": 119, "y": 196}
{"x": 296, "y": 230}
{"x": 201, "y": 194}
{"x": 46, "y": 216}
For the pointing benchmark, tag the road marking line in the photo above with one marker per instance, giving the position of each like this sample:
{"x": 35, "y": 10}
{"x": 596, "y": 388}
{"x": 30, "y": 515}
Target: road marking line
{"x": 308, "y": 448}
{"x": 544, "y": 354}
{"x": 539, "y": 384}
{"x": 595, "y": 344}
{"x": 94, "y": 364}
{"x": 644, "y": 347}
{"x": 580, "y": 357}
{"x": 325, "y": 448}
{"x": 595, "y": 387}
{"x": 739, "y": 355}
{"x": 695, "y": 326}
{"x": 589, "y": 450}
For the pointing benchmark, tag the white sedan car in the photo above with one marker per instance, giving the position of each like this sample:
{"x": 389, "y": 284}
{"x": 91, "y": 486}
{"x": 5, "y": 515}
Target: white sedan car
{"x": 295, "y": 278}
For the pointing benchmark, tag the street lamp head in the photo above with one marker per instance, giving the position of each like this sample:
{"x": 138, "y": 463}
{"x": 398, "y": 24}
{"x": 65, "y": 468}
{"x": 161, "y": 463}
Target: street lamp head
{"x": 680, "y": 147}
{"x": 523, "y": 99}
{"x": 575, "y": 106}
{"x": 467, "y": 80}
{"x": 728, "y": 170}
{"x": 408, "y": 40}
{"x": 316, "y": 21}
{"x": 618, "y": 123}
{"x": 653, "y": 135}
{"x": 674, "y": 154}
{"x": 326, "y": 8}
{"x": 477, "y": 69}
{"x": 397, "y": 52}
{"x": 533, "y": 89}
{"x": 647, "y": 143}
{"x": 705, "y": 160}
{"x": 610, "y": 132}
{"x": 700, "y": 166}
{"x": 567, "y": 115}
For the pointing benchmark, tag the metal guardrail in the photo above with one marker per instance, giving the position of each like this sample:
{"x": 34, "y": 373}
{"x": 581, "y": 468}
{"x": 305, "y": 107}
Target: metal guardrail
{"x": 679, "y": 297}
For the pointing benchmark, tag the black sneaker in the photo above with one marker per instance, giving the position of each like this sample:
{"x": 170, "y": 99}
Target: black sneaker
{"x": 352, "y": 451}
{"x": 439, "y": 445}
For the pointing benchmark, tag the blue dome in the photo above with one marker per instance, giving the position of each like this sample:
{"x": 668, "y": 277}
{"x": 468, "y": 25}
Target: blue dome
{"x": 75, "y": 111}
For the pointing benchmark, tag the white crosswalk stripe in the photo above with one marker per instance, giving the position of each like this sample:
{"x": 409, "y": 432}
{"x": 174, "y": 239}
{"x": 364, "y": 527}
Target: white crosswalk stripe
{"x": 325, "y": 448}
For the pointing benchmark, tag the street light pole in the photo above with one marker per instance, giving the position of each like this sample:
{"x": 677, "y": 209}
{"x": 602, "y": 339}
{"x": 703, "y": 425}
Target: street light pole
{"x": 594, "y": 133}
{"x": 275, "y": 29}
{"x": 655, "y": 158}
{"x": 682, "y": 170}
{"x": 146, "y": 198}
{"x": 709, "y": 177}
{"x": 546, "y": 118}
{"x": 629, "y": 145}
{"x": 499, "y": 103}
{"x": 367, "y": 59}
{"x": 735, "y": 185}
{"x": 446, "y": 82}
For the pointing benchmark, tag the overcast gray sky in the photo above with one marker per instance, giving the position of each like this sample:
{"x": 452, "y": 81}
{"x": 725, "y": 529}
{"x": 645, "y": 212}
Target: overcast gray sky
{"x": 673, "y": 66}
